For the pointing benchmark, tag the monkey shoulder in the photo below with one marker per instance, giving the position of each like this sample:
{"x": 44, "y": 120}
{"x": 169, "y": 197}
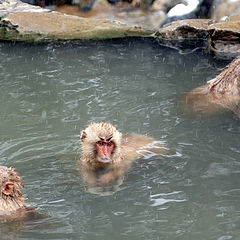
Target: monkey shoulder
{"x": 25, "y": 213}
{"x": 132, "y": 143}
{"x": 32, "y": 214}
{"x": 136, "y": 141}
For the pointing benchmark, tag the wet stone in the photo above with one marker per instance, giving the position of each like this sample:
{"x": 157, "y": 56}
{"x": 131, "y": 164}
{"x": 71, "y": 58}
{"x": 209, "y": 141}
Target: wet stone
{"x": 23, "y": 22}
{"x": 190, "y": 28}
{"x": 225, "y": 37}
{"x": 36, "y": 24}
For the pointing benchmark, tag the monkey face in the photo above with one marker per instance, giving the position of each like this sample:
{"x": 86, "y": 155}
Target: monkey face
{"x": 105, "y": 150}
{"x": 101, "y": 143}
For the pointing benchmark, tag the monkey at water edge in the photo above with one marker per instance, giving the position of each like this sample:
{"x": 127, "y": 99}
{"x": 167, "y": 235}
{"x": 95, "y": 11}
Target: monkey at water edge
{"x": 217, "y": 95}
{"x": 107, "y": 154}
{"x": 12, "y": 205}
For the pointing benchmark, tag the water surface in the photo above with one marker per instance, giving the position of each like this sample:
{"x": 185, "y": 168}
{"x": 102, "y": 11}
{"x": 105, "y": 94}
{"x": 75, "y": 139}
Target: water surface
{"x": 50, "y": 92}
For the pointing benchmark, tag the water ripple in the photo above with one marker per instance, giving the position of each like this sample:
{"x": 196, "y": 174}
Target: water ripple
{"x": 163, "y": 198}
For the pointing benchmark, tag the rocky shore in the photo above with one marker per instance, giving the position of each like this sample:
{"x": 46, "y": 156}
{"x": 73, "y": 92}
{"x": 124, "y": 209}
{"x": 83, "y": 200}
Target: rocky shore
{"x": 23, "y": 22}
{"x": 27, "y": 23}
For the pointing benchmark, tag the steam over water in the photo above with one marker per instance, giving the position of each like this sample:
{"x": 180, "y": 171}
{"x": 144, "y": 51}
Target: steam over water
{"x": 50, "y": 92}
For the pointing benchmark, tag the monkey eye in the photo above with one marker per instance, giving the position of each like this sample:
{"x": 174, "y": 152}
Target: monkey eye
{"x": 110, "y": 143}
{"x": 100, "y": 143}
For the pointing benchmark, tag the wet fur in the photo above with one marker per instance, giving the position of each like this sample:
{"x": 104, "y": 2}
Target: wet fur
{"x": 14, "y": 201}
{"x": 12, "y": 206}
{"x": 127, "y": 149}
{"x": 219, "y": 94}
{"x": 94, "y": 132}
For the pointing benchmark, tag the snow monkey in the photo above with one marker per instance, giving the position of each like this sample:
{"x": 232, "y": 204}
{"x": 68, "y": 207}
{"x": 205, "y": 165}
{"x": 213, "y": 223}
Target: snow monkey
{"x": 217, "y": 95}
{"x": 106, "y": 154}
{"x": 12, "y": 205}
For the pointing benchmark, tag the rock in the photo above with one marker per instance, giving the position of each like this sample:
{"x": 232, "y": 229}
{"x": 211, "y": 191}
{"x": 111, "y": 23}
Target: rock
{"x": 185, "y": 29}
{"x": 225, "y": 37}
{"x": 10, "y": 6}
{"x": 226, "y": 8}
{"x": 222, "y": 38}
{"x": 22, "y": 22}
{"x": 185, "y": 35}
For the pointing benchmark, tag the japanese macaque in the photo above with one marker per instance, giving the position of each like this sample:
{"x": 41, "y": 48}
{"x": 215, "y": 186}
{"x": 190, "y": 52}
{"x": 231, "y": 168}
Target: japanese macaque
{"x": 107, "y": 154}
{"x": 219, "y": 94}
{"x": 12, "y": 205}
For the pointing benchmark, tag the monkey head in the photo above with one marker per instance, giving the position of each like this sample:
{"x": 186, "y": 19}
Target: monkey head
{"x": 101, "y": 143}
{"x": 11, "y": 197}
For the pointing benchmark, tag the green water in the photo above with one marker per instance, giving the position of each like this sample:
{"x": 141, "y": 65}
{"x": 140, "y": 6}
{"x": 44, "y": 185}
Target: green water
{"x": 50, "y": 92}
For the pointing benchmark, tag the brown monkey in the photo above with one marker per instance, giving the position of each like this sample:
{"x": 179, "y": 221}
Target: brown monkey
{"x": 107, "y": 154}
{"x": 219, "y": 94}
{"x": 12, "y": 205}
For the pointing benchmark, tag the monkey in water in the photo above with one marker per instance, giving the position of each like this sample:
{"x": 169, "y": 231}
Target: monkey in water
{"x": 12, "y": 205}
{"x": 106, "y": 154}
{"x": 217, "y": 95}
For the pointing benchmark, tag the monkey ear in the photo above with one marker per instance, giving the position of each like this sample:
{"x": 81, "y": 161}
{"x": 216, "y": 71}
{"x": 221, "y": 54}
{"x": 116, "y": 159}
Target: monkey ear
{"x": 8, "y": 188}
{"x": 83, "y": 136}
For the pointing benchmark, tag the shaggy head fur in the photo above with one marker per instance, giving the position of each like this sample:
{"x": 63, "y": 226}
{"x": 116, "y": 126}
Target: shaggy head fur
{"x": 14, "y": 200}
{"x": 96, "y": 132}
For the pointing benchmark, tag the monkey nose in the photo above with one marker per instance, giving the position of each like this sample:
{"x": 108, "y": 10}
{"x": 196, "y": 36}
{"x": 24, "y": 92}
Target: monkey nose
{"x": 104, "y": 155}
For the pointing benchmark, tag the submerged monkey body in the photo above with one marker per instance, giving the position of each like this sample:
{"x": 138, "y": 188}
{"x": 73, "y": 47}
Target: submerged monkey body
{"x": 125, "y": 146}
{"x": 219, "y": 94}
{"x": 106, "y": 154}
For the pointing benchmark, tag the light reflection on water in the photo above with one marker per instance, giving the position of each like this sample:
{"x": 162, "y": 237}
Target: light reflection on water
{"x": 50, "y": 92}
